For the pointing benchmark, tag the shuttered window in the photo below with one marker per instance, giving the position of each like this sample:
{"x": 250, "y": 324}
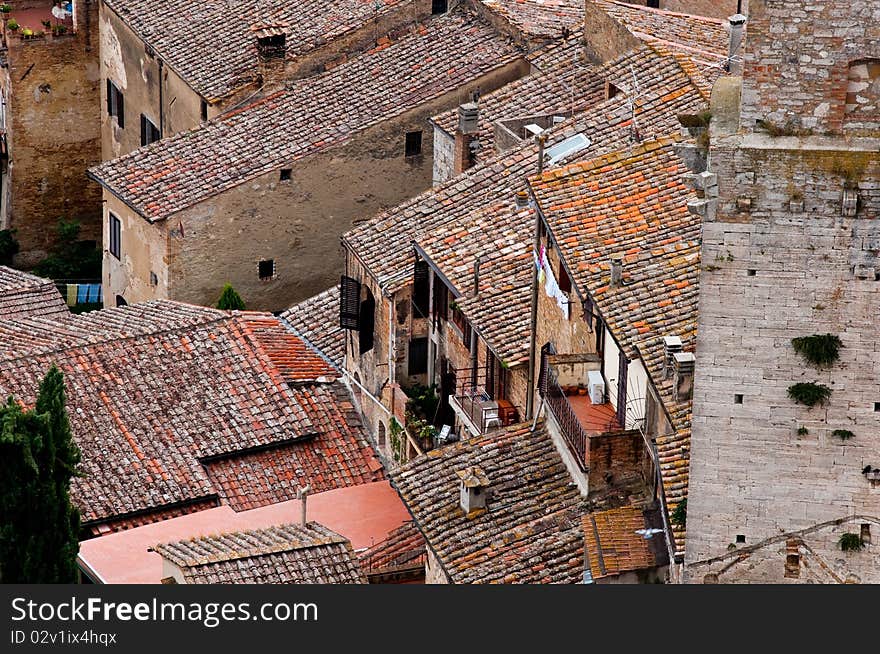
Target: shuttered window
{"x": 418, "y": 356}
{"x": 349, "y": 302}
{"x": 115, "y": 104}
{"x": 420, "y": 297}
{"x": 149, "y": 132}
{"x": 367, "y": 323}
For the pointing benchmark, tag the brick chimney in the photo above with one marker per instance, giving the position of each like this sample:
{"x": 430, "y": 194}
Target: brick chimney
{"x": 271, "y": 45}
{"x": 683, "y": 376}
{"x": 468, "y": 126}
{"x": 735, "y": 51}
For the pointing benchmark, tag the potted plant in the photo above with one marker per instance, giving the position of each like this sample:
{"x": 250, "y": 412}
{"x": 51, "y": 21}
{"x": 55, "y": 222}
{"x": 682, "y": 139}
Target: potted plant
{"x": 59, "y": 30}
{"x": 27, "y": 33}
{"x": 12, "y": 24}
{"x": 46, "y": 24}
{"x": 5, "y": 9}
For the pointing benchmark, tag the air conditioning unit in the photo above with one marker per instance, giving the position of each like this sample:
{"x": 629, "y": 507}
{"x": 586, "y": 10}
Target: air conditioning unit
{"x": 596, "y": 386}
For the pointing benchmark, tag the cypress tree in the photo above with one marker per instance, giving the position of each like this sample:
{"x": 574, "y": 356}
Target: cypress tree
{"x": 39, "y": 526}
{"x": 230, "y": 300}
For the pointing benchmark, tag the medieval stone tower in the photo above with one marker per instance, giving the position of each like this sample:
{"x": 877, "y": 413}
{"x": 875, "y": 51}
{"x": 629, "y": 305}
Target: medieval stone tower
{"x": 790, "y": 305}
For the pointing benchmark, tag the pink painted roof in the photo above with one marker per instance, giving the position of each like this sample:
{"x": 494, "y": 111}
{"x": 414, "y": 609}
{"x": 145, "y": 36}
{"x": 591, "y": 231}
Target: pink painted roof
{"x": 363, "y": 514}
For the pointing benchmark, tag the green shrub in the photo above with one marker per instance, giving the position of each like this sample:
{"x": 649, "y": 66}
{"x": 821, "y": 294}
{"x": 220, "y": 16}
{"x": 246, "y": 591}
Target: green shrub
{"x": 230, "y": 300}
{"x": 819, "y": 349}
{"x": 71, "y": 257}
{"x": 851, "y": 543}
{"x": 12, "y": 24}
{"x": 809, "y": 394}
{"x": 679, "y": 514}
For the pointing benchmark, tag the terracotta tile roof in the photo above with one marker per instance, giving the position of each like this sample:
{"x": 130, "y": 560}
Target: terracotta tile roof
{"x": 311, "y": 115}
{"x": 539, "y": 18}
{"x": 337, "y": 457}
{"x": 188, "y": 36}
{"x": 559, "y": 84}
{"x": 316, "y": 320}
{"x": 156, "y": 388}
{"x": 531, "y": 532}
{"x": 450, "y": 223}
{"x": 286, "y": 554}
{"x": 634, "y": 202}
{"x": 22, "y": 295}
{"x": 701, "y": 39}
{"x": 404, "y": 547}
{"x": 614, "y": 546}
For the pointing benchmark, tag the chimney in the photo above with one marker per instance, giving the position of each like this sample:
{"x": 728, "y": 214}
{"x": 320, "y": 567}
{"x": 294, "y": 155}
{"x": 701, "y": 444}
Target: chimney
{"x": 616, "y": 269}
{"x": 271, "y": 51}
{"x": 477, "y": 276}
{"x": 671, "y": 346}
{"x": 522, "y": 200}
{"x": 465, "y": 141}
{"x": 472, "y": 492}
{"x": 734, "y": 52}
{"x": 683, "y": 376}
{"x": 303, "y": 496}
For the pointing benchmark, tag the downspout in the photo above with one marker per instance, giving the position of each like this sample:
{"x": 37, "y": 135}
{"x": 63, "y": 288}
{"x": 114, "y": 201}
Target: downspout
{"x": 161, "y": 101}
{"x": 533, "y": 336}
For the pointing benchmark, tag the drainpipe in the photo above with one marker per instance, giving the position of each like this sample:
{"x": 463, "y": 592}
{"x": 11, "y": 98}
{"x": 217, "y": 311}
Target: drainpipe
{"x": 161, "y": 101}
{"x": 530, "y": 395}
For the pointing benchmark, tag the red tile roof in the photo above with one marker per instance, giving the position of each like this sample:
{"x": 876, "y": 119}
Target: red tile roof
{"x": 539, "y": 18}
{"x": 23, "y": 295}
{"x": 309, "y": 116}
{"x": 317, "y": 321}
{"x": 153, "y": 390}
{"x": 403, "y": 548}
{"x": 614, "y": 545}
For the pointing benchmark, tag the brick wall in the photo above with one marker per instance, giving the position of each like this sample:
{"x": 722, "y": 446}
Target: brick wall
{"x": 54, "y": 134}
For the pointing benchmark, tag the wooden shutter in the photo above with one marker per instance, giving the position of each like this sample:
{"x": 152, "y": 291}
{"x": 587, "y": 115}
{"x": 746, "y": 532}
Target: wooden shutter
{"x": 109, "y": 97}
{"x": 349, "y": 302}
{"x": 120, "y": 106}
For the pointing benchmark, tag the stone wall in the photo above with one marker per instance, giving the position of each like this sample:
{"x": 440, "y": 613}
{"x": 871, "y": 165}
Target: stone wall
{"x": 781, "y": 260}
{"x": 798, "y": 59}
{"x": 54, "y": 134}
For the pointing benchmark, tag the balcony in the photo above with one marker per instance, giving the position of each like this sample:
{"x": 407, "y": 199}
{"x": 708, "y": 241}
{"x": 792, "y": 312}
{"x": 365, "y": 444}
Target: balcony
{"x": 35, "y": 20}
{"x": 476, "y": 407}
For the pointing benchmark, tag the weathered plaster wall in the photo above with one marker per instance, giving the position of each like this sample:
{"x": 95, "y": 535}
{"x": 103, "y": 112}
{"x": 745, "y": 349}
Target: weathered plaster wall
{"x": 54, "y": 134}
{"x": 444, "y": 156}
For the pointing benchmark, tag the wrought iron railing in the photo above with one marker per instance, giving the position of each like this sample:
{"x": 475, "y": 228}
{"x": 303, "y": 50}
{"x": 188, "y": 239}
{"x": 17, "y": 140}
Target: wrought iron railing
{"x": 572, "y": 430}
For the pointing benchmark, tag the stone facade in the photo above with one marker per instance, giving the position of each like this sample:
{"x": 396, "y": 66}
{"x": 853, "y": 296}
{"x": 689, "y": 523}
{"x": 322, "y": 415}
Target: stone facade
{"x": 54, "y": 133}
{"x": 790, "y": 249}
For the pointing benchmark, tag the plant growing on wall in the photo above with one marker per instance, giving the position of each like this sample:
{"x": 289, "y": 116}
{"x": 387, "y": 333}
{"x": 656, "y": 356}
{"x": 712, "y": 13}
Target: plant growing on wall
{"x": 809, "y": 394}
{"x": 850, "y": 543}
{"x": 802, "y": 431}
{"x": 395, "y": 430}
{"x": 819, "y": 349}
{"x": 679, "y": 514}
{"x": 843, "y": 434}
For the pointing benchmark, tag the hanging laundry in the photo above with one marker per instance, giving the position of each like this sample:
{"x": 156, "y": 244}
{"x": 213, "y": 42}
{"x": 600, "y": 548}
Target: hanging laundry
{"x": 82, "y": 293}
{"x": 72, "y": 290}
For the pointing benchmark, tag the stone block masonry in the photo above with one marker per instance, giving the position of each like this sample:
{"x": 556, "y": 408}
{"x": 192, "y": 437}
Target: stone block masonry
{"x": 54, "y": 134}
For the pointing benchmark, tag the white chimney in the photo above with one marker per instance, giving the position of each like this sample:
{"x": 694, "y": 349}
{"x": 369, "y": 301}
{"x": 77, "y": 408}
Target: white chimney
{"x": 671, "y": 346}
{"x": 683, "y": 376}
{"x": 472, "y": 491}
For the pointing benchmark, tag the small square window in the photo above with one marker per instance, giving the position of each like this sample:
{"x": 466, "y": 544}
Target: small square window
{"x": 877, "y": 407}
{"x": 740, "y": 538}
{"x": 738, "y": 398}
{"x": 413, "y": 144}
{"x": 752, "y": 272}
{"x": 267, "y": 269}
{"x": 286, "y": 174}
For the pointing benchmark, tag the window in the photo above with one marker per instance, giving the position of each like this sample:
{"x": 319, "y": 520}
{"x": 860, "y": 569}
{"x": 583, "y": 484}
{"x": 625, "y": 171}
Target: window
{"x": 420, "y": 293}
{"x": 462, "y": 323}
{"x": 865, "y": 533}
{"x": 367, "y": 323}
{"x": 737, "y": 398}
{"x": 418, "y": 356}
{"x": 588, "y": 311}
{"x": 120, "y": 301}
{"x": 792, "y": 566}
{"x": 267, "y": 269}
{"x": 441, "y": 300}
{"x": 286, "y": 174}
{"x": 751, "y": 272}
{"x": 115, "y": 236}
{"x": 740, "y": 538}
{"x": 149, "y": 132}
{"x": 877, "y": 407}
{"x": 413, "y": 144}
{"x": 115, "y": 104}
{"x": 349, "y": 302}
{"x": 204, "y": 110}
{"x": 655, "y": 4}
{"x": 564, "y": 281}
{"x": 154, "y": 279}
{"x": 439, "y": 6}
